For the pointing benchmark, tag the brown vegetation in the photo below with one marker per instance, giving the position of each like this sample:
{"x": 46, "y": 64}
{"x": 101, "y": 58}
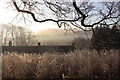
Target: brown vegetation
{"x": 78, "y": 64}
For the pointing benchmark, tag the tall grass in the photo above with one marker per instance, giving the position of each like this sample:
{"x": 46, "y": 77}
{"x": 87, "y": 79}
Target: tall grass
{"x": 78, "y": 64}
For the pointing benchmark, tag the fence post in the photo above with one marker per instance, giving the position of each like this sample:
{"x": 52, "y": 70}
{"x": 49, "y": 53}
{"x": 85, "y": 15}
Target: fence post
{"x": 73, "y": 44}
{"x": 39, "y": 44}
{"x": 10, "y": 43}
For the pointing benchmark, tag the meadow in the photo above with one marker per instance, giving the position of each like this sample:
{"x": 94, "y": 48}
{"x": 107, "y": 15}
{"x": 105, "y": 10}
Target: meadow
{"x": 77, "y": 64}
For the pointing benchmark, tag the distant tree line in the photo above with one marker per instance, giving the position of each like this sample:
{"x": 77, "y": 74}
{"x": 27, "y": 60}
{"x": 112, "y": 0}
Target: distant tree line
{"x": 106, "y": 38}
{"x": 19, "y": 36}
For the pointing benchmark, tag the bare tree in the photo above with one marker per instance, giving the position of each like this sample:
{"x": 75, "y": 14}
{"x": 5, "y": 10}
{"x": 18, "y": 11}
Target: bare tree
{"x": 5, "y": 34}
{"x": 19, "y": 36}
{"x": 82, "y": 15}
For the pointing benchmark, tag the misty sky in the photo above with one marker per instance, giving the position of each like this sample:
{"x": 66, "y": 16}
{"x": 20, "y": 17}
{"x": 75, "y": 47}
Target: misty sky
{"x": 7, "y": 16}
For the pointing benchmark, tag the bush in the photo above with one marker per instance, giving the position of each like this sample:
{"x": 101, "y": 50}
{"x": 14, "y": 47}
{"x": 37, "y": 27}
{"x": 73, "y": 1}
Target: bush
{"x": 106, "y": 38}
{"x": 81, "y": 43}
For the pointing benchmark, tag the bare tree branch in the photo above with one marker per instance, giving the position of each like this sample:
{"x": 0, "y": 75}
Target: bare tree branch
{"x": 63, "y": 12}
{"x": 33, "y": 16}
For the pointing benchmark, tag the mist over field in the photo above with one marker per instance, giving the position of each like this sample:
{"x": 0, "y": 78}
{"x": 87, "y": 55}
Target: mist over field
{"x": 59, "y": 36}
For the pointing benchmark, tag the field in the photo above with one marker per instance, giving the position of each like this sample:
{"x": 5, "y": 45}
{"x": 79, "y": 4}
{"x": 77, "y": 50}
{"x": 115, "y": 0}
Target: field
{"x": 77, "y": 64}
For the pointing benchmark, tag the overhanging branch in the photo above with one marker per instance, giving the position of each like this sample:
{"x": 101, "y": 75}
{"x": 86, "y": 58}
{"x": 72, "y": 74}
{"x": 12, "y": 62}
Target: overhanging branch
{"x": 84, "y": 16}
{"x": 81, "y": 13}
{"x": 35, "y": 19}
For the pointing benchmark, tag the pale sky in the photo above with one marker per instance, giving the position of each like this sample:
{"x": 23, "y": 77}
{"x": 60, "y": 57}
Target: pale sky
{"x": 7, "y": 16}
